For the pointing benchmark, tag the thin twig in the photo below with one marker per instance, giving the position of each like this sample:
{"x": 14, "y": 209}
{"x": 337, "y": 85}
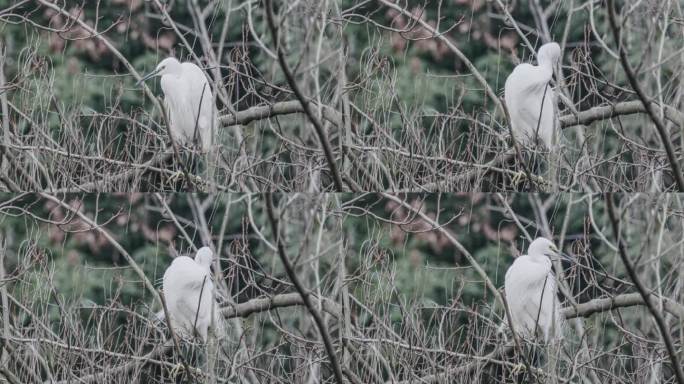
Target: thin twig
{"x": 662, "y": 131}
{"x": 320, "y": 131}
{"x": 669, "y": 345}
{"x": 174, "y": 337}
{"x": 303, "y": 292}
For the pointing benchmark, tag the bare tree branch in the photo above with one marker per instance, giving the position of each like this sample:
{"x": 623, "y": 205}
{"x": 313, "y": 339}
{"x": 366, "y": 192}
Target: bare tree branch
{"x": 591, "y": 115}
{"x": 662, "y": 326}
{"x": 303, "y": 292}
{"x": 278, "y": 301}
{"x": 320, "y": 130}
{"x": 648, "y": 106}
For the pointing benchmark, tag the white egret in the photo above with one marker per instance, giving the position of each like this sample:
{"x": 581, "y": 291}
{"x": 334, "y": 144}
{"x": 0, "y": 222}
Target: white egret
{"x": 189, "y": 294}
{"x": 189, "y": 102}
{"x": 531, "y": 288}
{"x": 530, "y": 100}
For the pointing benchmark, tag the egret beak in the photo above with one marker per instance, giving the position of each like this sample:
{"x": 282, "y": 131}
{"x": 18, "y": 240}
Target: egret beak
{"x": 561, "y": 256}
{"x": 148, "y": 76}
{"x": 567, "y": 257}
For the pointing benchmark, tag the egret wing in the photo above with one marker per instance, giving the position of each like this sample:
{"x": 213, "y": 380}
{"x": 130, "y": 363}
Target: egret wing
{"x": 178, "y": 99}
{"x": 191, "y": 305}
{"x": 523, "y": 282}
{"x": 203, "y": 104}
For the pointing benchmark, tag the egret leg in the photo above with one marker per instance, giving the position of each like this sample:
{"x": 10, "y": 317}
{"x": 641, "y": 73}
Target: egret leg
{"x": 191, "y": 161}
{"x": 553, "y": 169}
{"x": 197, "y": 181}
{"x": 518, "y": 369}
{"x": 553, "y": 351}
{"x": 518, "y": 178}
{"x": 536, "y": 355}
{"x": 177, "y": 370}
{"x": 177, "y": 176}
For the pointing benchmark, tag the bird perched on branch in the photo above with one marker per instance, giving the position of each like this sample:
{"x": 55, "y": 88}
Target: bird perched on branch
{"x": 530, "y": 100}
{"x": 531, "y": 287}
{"x": 189, "y": 103}
{"x": 189, "y": 294}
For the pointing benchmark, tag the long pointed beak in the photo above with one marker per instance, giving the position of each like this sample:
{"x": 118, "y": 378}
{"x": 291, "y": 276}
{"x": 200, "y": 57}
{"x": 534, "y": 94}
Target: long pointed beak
{"x": 146, "y": 77}
{"x": 561, "y": 256}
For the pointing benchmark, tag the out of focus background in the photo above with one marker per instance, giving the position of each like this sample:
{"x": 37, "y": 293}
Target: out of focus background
{"x": 401, "y": 281}
{"x": 396, "y": 84}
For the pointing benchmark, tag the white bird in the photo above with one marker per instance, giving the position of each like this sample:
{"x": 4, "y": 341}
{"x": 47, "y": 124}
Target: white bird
{"x": 189, "y": 294}
{"x": 530, "y": 288}
{"x": 189, "y": 102}
{"x": 530, "y": 100}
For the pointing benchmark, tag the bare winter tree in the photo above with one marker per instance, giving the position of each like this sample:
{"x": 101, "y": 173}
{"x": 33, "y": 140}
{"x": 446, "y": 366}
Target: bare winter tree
{"x": 395, "y": 101}
{"x": 369, "y": 288}
{"x": 341, "y": 95}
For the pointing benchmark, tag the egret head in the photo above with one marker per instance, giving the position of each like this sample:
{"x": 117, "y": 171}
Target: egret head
{"x": 542, "y": 246}
{"x": 168, "y": 66}
{"x": 204, "y": 257}
{"x": 549, "y": 53}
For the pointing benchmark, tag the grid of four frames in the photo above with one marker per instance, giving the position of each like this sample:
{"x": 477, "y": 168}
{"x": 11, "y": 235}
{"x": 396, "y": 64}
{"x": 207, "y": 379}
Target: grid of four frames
{"x": 341, "y": 191}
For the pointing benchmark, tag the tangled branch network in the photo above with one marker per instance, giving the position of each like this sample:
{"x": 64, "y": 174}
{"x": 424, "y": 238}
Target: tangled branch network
{"x": 339, "y": 97}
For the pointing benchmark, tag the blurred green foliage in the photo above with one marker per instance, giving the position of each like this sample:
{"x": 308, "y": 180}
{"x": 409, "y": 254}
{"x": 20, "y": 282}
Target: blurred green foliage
{"x": 424, "y": 264}
{"x": 86, "y": 76}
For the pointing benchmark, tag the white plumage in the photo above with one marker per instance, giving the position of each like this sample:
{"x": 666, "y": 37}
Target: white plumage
{"x": 530, "y": 288}
{"x": 189, "y": 102}
{"x": 189, "y": 294}
{"x": 530, "y": 100}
